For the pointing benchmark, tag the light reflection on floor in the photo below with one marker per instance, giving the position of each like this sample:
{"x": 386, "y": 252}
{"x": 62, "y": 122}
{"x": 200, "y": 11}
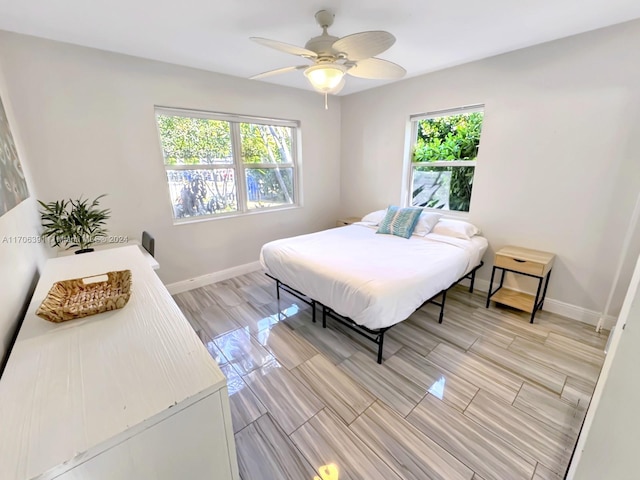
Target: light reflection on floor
{"x": 327, "y": 472}
{"x": 437, "y": 389}
{"x": 234, "y": 345}
{"x": 265, "y": 323}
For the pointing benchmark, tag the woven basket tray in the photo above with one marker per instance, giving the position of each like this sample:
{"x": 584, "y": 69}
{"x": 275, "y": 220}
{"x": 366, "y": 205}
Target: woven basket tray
{"x": 80, "y": 297}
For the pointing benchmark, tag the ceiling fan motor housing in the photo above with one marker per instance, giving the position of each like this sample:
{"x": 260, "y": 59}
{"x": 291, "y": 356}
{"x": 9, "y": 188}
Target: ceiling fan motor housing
{"x": 322, "y": 45}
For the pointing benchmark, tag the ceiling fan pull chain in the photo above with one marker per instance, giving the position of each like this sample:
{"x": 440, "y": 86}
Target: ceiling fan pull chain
{"x": 326, "y": 104}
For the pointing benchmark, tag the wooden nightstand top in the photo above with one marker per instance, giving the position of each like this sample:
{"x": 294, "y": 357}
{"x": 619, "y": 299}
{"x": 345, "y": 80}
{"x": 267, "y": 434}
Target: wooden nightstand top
{"x": 347, "y": 221}
{"x": 527, "y": 254}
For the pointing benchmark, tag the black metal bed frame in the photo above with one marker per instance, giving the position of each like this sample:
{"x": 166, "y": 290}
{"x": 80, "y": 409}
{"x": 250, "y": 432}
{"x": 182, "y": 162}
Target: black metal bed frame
{"x": 376, "y": 336}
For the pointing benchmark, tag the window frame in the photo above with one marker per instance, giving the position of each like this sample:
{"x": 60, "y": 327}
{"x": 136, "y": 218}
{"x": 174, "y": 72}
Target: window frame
{"x": 238, "y": 166}
{"x": 412, "y": 139}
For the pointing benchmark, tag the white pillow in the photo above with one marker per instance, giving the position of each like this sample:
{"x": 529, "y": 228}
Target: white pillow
{"x": 455, "y": 228}
{"x": 426, "y": 222}
{"x": 374, "y": 218}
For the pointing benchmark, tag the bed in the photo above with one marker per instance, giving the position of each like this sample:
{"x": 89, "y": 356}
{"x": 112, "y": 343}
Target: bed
{"x": 369, "y": 281}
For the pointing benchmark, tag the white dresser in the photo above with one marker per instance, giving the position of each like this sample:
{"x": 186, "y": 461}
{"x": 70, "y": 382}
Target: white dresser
{"x": 127, "y": 394}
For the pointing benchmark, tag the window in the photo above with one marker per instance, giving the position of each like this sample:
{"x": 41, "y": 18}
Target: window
{"x": 443, "y": 158}
{"x": 220, "y": 164}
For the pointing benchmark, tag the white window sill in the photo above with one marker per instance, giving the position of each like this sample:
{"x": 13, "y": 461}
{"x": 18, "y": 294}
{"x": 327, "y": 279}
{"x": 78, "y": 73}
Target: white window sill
{"x": 207, "y": 218}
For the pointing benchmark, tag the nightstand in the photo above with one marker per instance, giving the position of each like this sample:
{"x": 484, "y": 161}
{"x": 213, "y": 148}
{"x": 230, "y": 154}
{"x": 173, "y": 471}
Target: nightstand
{"x": 347, "y": 221}
{"x": 522, "y": 261}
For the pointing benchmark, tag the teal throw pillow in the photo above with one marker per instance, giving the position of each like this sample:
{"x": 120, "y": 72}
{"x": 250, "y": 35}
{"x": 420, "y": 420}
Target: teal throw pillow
{"x": 400, "y": 221}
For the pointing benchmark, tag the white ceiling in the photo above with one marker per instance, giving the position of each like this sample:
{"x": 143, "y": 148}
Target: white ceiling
{"x": 214, "y": 34}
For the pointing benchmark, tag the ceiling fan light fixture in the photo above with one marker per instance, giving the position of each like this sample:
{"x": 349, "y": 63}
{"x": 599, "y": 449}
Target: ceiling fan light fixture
{"x": 325, "y": 77}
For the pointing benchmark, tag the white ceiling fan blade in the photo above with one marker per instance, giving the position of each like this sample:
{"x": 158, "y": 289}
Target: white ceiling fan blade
{"x": 376, "y": 68}
{"x": 277, "y": 71}
{"x": 285, "y": 47}
{"x": 364, "y": 44}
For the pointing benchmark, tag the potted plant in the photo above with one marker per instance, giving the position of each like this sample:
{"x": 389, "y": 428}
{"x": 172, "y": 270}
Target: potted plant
{"x": 74, "y": 223}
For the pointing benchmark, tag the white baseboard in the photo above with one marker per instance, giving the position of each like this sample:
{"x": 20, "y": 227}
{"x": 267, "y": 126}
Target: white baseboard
{"x": 568, "y": 310}
{"x": 209, "y": 278}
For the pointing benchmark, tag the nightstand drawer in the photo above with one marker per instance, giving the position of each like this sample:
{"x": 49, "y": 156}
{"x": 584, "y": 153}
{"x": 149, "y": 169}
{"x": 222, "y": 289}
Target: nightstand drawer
{"x": 520, "y": 265}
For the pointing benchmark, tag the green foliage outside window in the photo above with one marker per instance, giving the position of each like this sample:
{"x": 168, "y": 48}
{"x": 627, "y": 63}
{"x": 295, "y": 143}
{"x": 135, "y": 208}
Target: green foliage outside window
{"x": 454, "y": 137}
{"x": 202, "y": 141}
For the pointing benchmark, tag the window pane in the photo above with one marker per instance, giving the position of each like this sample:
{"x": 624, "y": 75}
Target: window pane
{"x": 447, "y": 188}
{"x": 452, "y": 137}
{"x": 269, "y": 187}
{"x": 266, "y": 143}
{"x": 202, "y": 192}
{"x": 193, "y": 141}
{"x": 445, "y": 138}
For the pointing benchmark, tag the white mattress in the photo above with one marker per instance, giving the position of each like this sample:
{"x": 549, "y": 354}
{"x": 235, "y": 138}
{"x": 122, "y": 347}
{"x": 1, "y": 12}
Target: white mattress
{"x": 375, "y": 280}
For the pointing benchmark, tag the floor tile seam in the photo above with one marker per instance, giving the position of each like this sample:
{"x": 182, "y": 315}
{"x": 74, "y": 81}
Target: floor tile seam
{"x": 551, "y": 366}
{"x": 559, "y": 474}
{"x": 256, "y": 394}
{"x": 523, "y": 377}
{"x": 440, "y": 337}
{"x": 471, "y": 401}
{"x": 566, "y": 433}
{"x": 526, "y": 455}
{"x": 576, "y": 340}
{"x": 292, "y": 444}
{"x": 568, "y": 437}
{"x": 517, "y": 394}
{"x": 362, "y": 441}
{"x": 251, "y": 423}
{"x": 403, "y": 375}
{"x": 375, "y": 400}
{"x": 530, "y": 460}
{"x": 463, "y": 377}
{"x": 313, "y": 391}
{"x": 416, "y": 405}
{"x": 453, "y": 374}
{"x": 410, "y": 426}
{"x": 403, "y": 396}
{"x": 521, "y": 327}
{"x": 362, "y": 385}
{"x": 578, "y": 357}
{"x": 268, "y": 349}
{"x": 418, "y": 432}
{"x": 542, "y": 345}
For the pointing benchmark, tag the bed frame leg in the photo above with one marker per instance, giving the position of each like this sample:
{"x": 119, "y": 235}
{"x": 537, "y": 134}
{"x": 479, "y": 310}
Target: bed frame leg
{"x": 313, "y": 312}
{"x": 380, "y": 344}
{"x": 444, "y": 298}
{"x": 473, "y": 280}
{"x": 278, "y": 289}
{"x": 324, "y": 317}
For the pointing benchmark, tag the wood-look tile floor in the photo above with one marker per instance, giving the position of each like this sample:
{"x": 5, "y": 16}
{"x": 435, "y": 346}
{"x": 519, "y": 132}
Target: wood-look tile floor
{"x": 484, "y": 395}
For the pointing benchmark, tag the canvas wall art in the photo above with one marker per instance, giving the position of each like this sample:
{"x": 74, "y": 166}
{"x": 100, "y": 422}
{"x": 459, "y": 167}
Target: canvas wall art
{"x": 13, "y": 187}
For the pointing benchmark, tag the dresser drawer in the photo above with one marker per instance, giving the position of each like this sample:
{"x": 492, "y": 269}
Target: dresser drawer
{"x": 520, "y": 265}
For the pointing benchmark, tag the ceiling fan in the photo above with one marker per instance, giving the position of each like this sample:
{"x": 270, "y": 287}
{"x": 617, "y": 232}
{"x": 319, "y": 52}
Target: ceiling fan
{"x": 334, "y": 57}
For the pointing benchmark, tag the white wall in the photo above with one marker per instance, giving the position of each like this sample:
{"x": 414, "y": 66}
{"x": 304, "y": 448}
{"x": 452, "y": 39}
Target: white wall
{"x": 609, "y": 440}
{"x": 19, "y": 259}
{"x": 558, "y": 168}
{"x": 87, "y": 118}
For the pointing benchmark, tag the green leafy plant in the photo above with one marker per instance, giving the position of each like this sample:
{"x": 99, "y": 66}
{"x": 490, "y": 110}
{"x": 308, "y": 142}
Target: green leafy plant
{"x": 449, "y": 138}
{"x": 73, "y": 223}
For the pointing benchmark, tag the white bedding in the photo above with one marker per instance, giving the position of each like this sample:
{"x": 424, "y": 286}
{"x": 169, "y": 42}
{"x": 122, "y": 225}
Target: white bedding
{"x": 375, "y": 280}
